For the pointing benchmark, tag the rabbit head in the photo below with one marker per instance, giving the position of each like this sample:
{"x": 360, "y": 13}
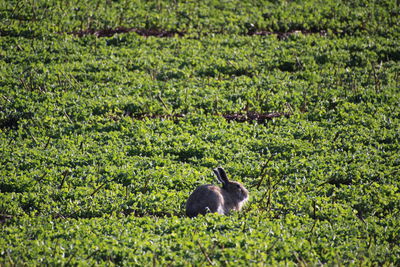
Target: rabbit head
{"x": 234, "y": 192}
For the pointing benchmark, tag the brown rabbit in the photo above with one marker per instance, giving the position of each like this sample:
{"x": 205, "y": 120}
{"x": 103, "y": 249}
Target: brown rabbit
{"x": 210, "y": 198}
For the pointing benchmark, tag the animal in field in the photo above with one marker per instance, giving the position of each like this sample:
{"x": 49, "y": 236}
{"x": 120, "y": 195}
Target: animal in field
{"x": 211, "y": 198}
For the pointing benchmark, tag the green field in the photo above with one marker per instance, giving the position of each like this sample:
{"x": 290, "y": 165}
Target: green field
{"x": 113, "y": 112}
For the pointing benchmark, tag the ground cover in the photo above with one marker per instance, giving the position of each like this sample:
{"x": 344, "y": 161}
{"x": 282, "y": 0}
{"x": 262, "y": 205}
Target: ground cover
{"x": 104, "y": 136}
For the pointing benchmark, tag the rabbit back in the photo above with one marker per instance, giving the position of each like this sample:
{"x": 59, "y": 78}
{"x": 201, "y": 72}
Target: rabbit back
{"x": 206, "y": 198}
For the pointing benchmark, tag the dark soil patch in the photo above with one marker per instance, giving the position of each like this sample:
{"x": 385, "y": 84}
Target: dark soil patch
{"x": 4, "y": 218}
{"x": 9, "y": 123}
{"x": 166, "y": 33}
{"x": 284, "y": 35}
{"x": 238, "y": 117}
{"x": 143, "y": 116}
{"x": 255, "y": 116}
{"x": 111, "y": 32}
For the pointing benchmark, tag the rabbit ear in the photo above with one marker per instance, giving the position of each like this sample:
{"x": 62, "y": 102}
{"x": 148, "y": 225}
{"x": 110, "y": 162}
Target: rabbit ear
{"x": 223, "y": 178}
{"x": 216, "y": 171}
{"x": 223, "y": 174}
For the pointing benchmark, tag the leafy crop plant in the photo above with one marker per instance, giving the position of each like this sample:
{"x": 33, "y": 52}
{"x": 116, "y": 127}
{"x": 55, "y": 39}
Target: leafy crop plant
{"x": 112, "y": 112}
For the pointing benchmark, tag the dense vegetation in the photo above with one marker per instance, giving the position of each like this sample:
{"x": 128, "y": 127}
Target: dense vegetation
{"x": 106, "y": 128}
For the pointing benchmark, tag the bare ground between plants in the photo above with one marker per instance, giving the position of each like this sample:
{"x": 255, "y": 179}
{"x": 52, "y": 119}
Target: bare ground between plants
{"x": 167, "y": 33}
{"x": 238, "y": 117}
{"x": 12, "y": 122}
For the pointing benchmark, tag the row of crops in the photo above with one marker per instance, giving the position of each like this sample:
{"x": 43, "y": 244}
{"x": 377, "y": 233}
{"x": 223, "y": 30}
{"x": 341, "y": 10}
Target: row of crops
{"x": 113, "y": 112}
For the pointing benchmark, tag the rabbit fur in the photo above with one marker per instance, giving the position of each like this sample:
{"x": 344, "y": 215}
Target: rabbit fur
{"x": 210, "y": 198}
